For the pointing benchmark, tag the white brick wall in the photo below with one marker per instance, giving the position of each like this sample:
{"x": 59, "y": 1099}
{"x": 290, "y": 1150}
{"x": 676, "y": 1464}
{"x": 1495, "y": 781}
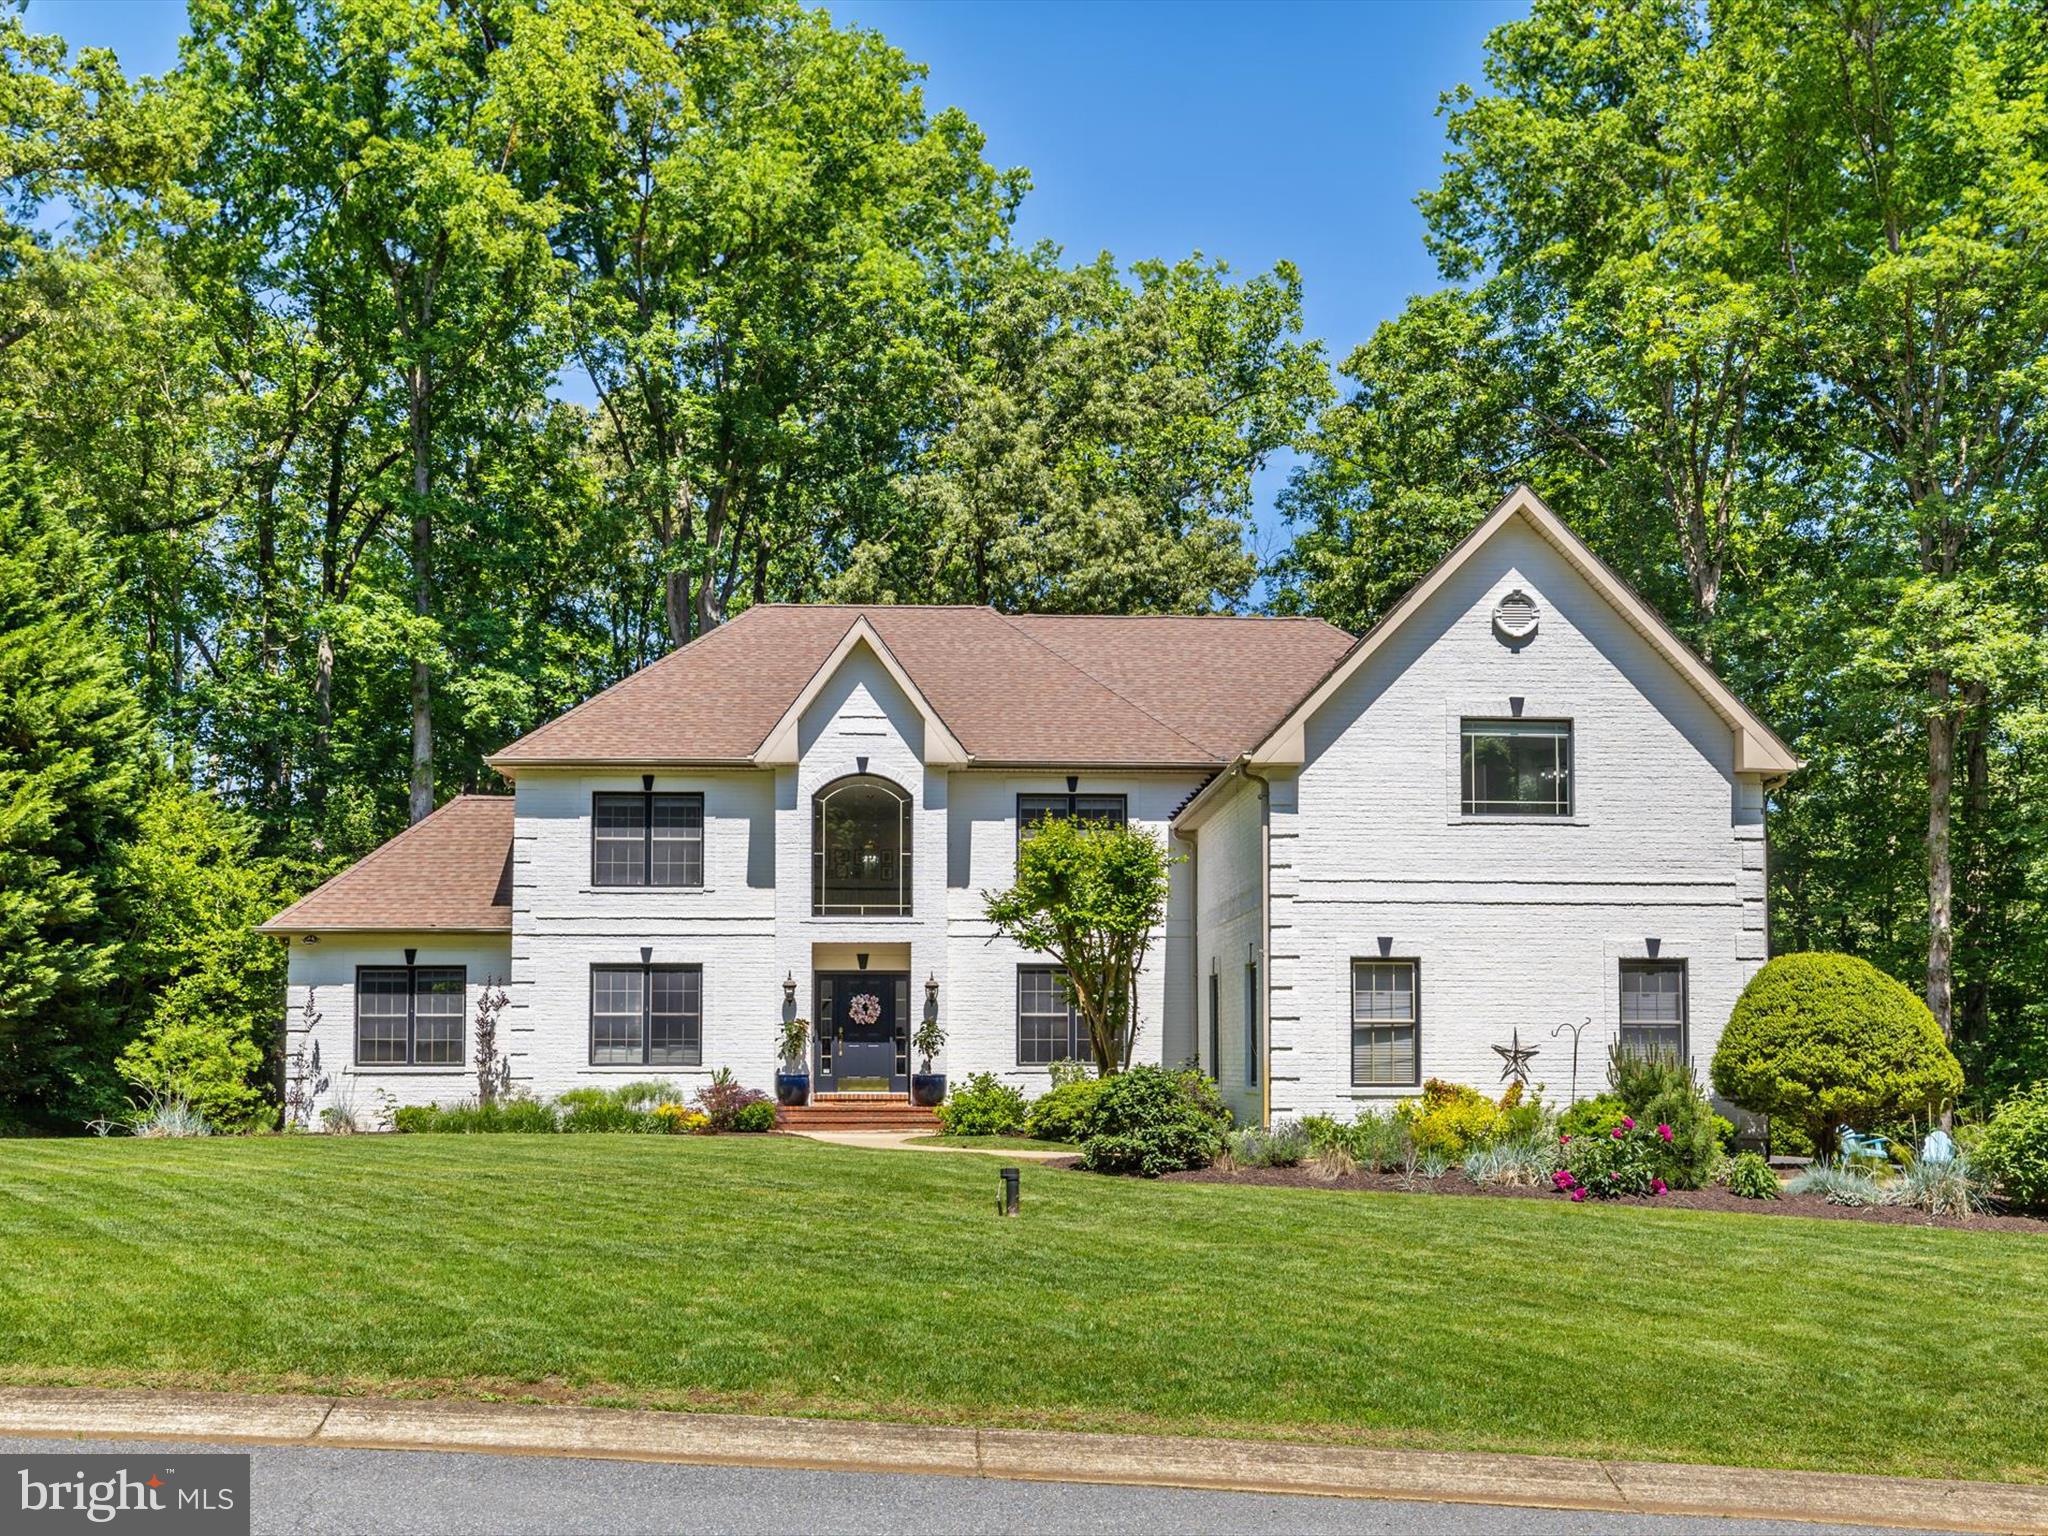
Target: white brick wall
{"x": 323, "y": 981}
{"x": 1516, "y": 923}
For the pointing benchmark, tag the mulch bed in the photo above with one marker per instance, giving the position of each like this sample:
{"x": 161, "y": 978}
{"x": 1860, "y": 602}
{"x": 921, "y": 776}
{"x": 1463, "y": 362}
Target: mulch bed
{"x": 1711, "y": 1199}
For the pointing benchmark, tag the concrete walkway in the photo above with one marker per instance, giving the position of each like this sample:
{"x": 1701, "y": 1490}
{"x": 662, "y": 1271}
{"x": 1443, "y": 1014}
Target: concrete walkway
{"x": 1542, "y": 1482}
{"x": 906, "y": 1141}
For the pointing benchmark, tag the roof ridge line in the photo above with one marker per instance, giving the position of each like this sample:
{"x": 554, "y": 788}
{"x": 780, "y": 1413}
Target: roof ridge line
{"x": 1108, "y": 687}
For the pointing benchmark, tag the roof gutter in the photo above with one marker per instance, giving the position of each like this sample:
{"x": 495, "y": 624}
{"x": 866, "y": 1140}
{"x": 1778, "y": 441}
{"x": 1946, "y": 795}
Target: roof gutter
{"x": 1205, "y": 800}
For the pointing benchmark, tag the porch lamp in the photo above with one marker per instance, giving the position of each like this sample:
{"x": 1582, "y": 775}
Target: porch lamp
{"x": 789, "y": 989}
{"x": 931, "y": 997}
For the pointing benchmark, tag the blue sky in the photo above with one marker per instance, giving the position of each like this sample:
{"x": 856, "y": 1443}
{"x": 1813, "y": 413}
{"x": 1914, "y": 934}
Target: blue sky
{"x": 1254, "y": 133}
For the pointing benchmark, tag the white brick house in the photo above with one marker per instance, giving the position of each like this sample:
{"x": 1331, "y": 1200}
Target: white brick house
{"x": 1518, "y": 802}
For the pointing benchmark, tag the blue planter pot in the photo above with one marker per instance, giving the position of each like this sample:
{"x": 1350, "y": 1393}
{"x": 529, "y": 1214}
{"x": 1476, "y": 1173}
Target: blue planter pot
{"x": 793, "y": 1088}
{"x": 927, "y": 1089}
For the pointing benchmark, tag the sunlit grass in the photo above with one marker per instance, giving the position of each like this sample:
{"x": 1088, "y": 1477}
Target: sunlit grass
{"x": 772, "y": 1274}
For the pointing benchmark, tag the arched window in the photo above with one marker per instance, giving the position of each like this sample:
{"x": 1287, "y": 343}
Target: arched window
{"x": 860, "y": 849}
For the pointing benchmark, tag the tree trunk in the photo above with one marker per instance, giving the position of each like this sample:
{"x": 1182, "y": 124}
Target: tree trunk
{"x": 1975, "y": 1023}
{"x": 1941, "y": 773}
{"x": 420, "y": 382}
{"x": 675, "y": 594}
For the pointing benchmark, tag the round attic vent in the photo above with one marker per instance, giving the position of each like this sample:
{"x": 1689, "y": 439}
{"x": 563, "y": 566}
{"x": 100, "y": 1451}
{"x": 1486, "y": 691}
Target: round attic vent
{"x": 1515, "y": 616}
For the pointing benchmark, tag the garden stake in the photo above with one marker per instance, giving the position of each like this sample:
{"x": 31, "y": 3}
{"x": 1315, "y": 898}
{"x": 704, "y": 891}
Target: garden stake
{"x": 1577, "y": 1030}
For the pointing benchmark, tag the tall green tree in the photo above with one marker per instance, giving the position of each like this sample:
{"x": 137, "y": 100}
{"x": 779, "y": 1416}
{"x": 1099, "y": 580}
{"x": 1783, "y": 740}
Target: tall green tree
{"x": 377, "y": 141}
{"x": 767, "y": 229}
{"x": 72, "y": 740}
{"x": 1102, "y": 434}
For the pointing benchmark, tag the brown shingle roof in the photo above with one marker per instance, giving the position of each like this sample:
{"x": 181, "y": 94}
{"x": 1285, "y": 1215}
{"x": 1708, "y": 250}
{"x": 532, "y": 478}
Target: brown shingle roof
{"x": 1061, "y": 691}
{"x": 451, "y": 871}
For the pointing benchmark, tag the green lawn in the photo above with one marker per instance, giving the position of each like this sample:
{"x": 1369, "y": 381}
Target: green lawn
{"x": 998, "y": 1144}
{"x": 782, "y": 1275}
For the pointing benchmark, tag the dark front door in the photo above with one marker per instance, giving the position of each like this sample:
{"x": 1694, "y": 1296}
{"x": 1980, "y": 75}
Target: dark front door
{"x": 866, "y": 1046}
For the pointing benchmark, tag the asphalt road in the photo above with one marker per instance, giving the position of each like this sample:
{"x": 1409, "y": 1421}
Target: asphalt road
{"x": 317, "y": 1491}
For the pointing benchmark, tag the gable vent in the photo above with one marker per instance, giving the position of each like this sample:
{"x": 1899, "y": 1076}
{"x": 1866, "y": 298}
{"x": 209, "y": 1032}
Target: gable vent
{"x": 1515, "y": 616}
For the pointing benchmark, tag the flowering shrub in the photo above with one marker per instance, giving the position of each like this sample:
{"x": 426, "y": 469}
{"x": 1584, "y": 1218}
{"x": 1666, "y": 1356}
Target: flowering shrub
{"x": 1623, "y": 1162}
{"x": 680, "y": 1119}
{"x": 722, "y": 1099}
{"x": 1449, "y": 1119}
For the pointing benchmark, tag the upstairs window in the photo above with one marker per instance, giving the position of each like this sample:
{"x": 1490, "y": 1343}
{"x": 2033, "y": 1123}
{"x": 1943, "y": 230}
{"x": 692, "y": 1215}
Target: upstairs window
{"x": 1110, "y": 810}
{"x": 1517, "y": 767}
{"x": 409, "y": 1015}
{"x": 1049, "y": 1027}
{"x": 860, "y": 850}
{"x": 646, "y": 839}
{"x": 1653, "y": 1008}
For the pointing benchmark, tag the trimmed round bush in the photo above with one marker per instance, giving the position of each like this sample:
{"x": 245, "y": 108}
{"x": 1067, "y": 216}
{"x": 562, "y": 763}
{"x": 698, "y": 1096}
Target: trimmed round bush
{"x": 1059, "y": 1112}
{"x": 1826, "y": 1040}
{"x": 2014, "y": 1147}
{"x": 1150, "y": 1121}
{"x": 984, "y": 1105}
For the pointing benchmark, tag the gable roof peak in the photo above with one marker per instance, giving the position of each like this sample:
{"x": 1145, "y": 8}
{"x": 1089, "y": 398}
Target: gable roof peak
{"x": 1758, "y": 749}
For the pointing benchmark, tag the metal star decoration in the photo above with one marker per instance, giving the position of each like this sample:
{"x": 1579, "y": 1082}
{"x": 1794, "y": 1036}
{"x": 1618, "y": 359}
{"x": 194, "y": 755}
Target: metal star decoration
{"x": 1517, "y": 1056}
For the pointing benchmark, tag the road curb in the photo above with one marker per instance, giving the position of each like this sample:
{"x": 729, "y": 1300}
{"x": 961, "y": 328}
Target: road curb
{"x": 1042, "y": 1456}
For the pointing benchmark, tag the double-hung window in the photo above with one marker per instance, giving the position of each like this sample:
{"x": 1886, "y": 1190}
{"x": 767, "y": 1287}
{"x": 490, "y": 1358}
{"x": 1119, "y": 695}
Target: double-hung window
{"x": 1385, "y": 1025}
{"x": 1516, "y": 767}
{"x": 1110, "y": 810}
{"x": 1049, "y": 1027}
{"x": 646, "y": 1015}
{"x": 646, "y": 839}
{"x": 1653, "y": 1008}
{"x": 409, "y": 1015}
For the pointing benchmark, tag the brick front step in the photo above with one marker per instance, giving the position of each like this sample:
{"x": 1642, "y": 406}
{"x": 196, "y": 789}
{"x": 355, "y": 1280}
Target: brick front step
{"x": 857, "y": 1112}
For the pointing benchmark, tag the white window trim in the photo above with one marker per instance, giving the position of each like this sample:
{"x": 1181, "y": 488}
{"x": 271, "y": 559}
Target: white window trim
{"x": 1496, "y": 707}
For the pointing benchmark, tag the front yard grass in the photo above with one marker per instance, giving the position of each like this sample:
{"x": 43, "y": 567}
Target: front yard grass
{"x": 786, "y": 1276}
{"x": 999, "y": 1144}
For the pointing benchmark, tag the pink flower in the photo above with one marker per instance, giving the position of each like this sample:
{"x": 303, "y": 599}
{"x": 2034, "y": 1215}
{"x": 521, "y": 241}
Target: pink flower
{"x": 1562, "y": 1140}
{"x": 1657, "y": 1187}
{"x": 1618, "y": 1132}
{"x": 1627, "y": 1124}
{"x": 1578, "y": 1194}
{"x": 1664, "y": 1131}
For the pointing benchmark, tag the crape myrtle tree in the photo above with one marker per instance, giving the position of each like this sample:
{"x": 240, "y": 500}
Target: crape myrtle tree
{"x": 1092, "y": 895}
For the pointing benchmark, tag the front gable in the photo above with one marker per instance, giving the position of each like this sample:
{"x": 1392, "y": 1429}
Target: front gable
{"x": 861, "y": 661}
{"x": 1756, "y": 749}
